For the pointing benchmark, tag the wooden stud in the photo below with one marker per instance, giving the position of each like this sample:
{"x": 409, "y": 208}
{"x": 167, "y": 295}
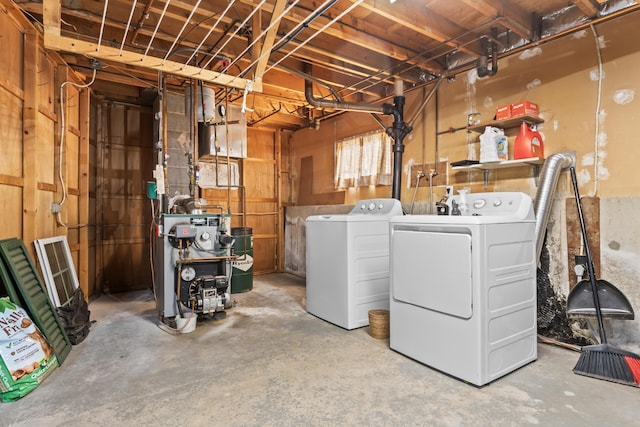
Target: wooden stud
{"x": 269, "y": 39}
{"x": 30, "y": 142}
{"x": 51, "y": 16}
{"x": 83, "y": 186}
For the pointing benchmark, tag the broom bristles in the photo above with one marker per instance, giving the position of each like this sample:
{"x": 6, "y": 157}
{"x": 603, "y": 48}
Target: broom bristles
{"x": 609, "y": 363}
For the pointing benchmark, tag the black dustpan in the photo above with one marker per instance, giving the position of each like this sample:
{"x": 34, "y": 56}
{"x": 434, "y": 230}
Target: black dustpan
{"x": 613, "y": 303}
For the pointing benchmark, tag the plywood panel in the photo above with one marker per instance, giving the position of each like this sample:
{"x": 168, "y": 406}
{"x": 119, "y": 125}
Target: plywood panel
{"x": 10, "y": 133}
{"x": 11, "y": 218}
{"x": 46, "y": 225}
{"x": 261, "y": 144}
{"x": 126, "y": 267}
{"x": 124, "y": 216}
{"x": 260, "y": 179}
{"x": 116, "y": 123}
{"x": 264, "y": 255}
{"x": 45, "y": 77}
{"x": 127, "y": 169}
{"x": 70, "y": 210}
{"x": 11, "y": 42}
{"x": 71, "y": 154}
{"x": 262, "y": 217}
{"x": 46, "y": 149}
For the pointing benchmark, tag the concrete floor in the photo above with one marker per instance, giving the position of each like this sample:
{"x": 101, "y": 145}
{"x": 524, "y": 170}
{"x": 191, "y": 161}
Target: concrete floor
{"x": 271, "y": 363}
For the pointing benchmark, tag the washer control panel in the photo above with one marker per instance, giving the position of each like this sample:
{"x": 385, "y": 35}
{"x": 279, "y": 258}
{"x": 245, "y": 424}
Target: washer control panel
{"x": 382, "y": 207}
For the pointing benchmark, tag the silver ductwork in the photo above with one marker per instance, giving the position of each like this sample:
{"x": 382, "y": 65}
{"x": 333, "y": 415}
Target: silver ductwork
{"x": 549, "y": 176}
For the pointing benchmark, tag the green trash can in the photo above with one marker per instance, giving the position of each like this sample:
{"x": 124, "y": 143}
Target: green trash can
{"x": 242, "y": 271}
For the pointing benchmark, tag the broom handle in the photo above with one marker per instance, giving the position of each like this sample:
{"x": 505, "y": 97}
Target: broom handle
{"x": 592, "y": 274}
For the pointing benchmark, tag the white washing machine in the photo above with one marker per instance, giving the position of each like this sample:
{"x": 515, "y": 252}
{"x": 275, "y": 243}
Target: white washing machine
{"x": 348, "y": 262}
{"x": 463, "y": 288}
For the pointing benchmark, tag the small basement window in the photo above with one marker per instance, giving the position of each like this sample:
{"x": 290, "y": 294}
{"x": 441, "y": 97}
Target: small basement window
{"x": 363, "y": 160}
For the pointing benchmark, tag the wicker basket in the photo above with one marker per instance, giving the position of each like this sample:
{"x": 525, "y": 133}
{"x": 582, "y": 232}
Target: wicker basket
{"x": 379, "y": 323}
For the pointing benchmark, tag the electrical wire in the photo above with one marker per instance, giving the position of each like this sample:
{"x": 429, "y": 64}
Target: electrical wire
{"x": 596, "y": 149}
{"x": 63, "y": 131}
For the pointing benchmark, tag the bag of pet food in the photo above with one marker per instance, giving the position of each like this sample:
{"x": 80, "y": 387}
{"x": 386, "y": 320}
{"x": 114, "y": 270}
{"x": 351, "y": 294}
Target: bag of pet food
{"x": 26, "y": 358}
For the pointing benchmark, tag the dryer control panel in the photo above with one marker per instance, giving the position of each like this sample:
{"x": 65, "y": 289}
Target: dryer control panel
{"x": 510, "y": 203}
{"x": 382, "y": 207}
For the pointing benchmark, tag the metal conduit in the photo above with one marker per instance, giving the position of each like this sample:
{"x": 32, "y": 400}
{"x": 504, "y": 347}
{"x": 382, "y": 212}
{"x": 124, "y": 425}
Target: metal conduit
{"x": 186, "y": 22}
{"x": 294, "y": 29}
{"x": 213, "y": 27}
{"x": 349, "y": 9}
{"x": 262, "y": 34}
{"x": 549, "y": 176}
{"x": 235, "y": 32}
{"x": 155, "y": 31}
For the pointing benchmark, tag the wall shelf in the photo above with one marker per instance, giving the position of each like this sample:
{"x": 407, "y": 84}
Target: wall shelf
{"x": 512, "y": 123}
{"x": 534, "y": 162}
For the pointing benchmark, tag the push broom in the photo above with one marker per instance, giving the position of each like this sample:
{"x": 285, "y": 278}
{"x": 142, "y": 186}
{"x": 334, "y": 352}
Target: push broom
{"x": 603, "y": 360}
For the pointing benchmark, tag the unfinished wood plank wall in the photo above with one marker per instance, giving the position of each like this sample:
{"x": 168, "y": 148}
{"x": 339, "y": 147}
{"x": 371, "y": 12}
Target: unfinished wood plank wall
{"x": 35, "y": 172}
{"x": 125, "y": 164}
{"x": 261, "y": 210}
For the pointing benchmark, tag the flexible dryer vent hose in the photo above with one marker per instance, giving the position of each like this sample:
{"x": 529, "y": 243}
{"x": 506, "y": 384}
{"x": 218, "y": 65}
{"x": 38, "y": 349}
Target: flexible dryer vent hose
{"x": 549, "y": 176}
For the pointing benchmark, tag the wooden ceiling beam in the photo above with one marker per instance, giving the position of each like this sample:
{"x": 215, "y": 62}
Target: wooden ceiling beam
{"x": 91, "y": 50}
{"x": 429, "y": 26}
{"x": 586, "y": 7}
{"x": 269, "y": 39}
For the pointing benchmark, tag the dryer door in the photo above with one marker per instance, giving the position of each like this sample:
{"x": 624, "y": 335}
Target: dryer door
{"x": 433, "y": 270}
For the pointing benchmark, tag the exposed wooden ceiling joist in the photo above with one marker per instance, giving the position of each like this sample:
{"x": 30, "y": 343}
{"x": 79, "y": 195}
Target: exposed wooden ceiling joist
{"x": 357, "y": 57}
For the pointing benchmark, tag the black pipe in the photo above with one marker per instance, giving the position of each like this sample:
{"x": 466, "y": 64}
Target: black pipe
{"x": 399, "y": 130}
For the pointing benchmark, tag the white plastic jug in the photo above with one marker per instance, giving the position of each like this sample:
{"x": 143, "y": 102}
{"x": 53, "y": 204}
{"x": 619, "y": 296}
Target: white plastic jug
{"x": 489, "y": 144}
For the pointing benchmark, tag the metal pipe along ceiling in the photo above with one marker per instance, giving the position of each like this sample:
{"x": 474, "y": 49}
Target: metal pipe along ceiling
{"x": 104, "y": 16}
{"x": 349, "y": 9}
{"x": 213, "y": 27}
{"x": 186, "y": 22}
{"x": 234, "y": 33}
{"x": 155, "y": 31}
{"x": 294, "y": 29}
{"x": 262, "y": 34}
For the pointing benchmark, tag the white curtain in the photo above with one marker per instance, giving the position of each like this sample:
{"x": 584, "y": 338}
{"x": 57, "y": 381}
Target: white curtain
{"x": 363, "y": 160}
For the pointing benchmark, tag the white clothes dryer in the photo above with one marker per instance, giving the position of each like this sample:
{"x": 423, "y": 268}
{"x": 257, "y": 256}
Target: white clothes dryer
{"x": 348, "y": 262}
{"x": 463, "y": 288}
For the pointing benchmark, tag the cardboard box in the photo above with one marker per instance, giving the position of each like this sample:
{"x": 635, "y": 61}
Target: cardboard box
{"x": 503, "y": 112}
{"x": 524, "y": 108}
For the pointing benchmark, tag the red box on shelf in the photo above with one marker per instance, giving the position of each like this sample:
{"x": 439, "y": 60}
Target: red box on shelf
{"x": 524, "y": 108}
{"x": 503, "y": 112}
